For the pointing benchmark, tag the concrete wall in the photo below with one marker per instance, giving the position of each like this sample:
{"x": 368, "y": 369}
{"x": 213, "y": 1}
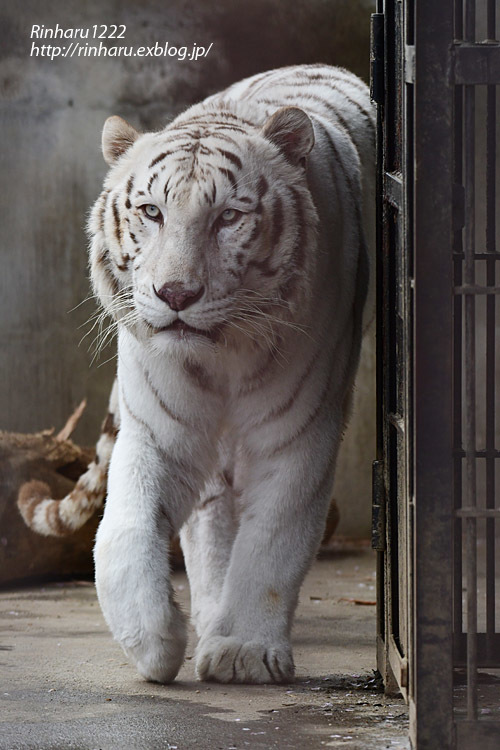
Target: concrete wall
{"x": 51, "y": 169}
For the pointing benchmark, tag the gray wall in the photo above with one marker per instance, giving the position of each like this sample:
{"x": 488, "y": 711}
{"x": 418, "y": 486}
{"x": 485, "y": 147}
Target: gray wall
{"x": 51, "y": 169}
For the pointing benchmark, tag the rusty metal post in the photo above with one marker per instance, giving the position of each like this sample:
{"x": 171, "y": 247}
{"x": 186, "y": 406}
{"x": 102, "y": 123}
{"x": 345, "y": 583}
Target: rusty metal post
{"x": 433, "y": 405}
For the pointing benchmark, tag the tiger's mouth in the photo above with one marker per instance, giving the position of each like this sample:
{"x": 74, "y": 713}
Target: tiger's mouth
{"x": 182, "y": 330}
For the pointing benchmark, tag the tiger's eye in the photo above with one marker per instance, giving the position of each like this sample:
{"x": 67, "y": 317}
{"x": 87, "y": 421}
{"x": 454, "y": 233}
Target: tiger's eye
{"x": 229, "y": 215}
{"x": 152, "y": 212}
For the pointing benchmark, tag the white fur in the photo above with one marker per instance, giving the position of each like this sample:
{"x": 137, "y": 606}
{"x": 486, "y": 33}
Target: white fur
{"x": 242, "y": 465}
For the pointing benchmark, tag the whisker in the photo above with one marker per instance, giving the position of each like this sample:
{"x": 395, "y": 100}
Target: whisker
{"x": 88, "y": 298}
{"x": 114, "y": 356}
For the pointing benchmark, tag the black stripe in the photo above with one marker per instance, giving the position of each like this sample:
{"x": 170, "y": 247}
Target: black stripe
{"x": 231, "y": 157}
{"x": 206, "y": 151}
{"x": 256, "y": 379}
{"x": 116, "y": 217}
{"x": 263, "y": 267}
{"x": 355, "y": 199}
{"x": 368, "y": 115}
{"x": 175, "y": 417}
{"x": 151, "y": 180}
{"x": 334, "y": 109}
{"x": 102, "y": 261}
{"x": 257, "y": 80}
{"x": 202, "y": 118}
{"x": 102, "y": 211}
{"x": 322, "y": 404}
{"x": 277, "y": 222}
{"x": 230, "y": 176}
{"x": 124, "y": 265}
{"x": 279, "y": 411}
{"x": 166, "y": 189}
{"x": 146, "y": 427}
{"x": 255, "y": 233}
{"x": 300, "y": 240}
{"x": 213, "y": 124}
{"x": 225, "y": 138}
{"x": 227, "y": 126}
{"x": 262, "y": 187}
{"x": 198, "y": 375}
{"x": 354, "y": 191}
{"x": 160, "y": 157}
{"x": 325, "y": 400}
{"x": 327, "y": 82}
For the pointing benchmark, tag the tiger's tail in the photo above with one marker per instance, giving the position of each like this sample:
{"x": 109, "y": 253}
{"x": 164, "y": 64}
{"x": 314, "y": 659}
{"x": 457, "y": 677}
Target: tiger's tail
{"x": 63, "y": 517}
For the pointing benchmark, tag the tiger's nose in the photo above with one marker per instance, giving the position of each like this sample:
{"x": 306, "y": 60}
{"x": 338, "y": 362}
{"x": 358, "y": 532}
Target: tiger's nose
{"x": 177, "y": 296}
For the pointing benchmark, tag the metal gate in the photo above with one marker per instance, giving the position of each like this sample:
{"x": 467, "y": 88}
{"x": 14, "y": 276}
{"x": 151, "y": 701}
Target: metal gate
{"x": 436, "y": 500}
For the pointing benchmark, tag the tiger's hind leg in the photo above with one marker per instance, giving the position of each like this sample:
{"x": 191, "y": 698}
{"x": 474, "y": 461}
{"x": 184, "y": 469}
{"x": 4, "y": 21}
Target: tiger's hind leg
{"x": 207, "y": 539}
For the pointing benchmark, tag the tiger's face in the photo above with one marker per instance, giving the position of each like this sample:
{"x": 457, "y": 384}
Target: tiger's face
{"x": 201, "y": 233}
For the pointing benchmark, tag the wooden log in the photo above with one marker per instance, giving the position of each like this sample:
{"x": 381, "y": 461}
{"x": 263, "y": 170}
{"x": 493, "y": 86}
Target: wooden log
{"x": 59, "y": 462}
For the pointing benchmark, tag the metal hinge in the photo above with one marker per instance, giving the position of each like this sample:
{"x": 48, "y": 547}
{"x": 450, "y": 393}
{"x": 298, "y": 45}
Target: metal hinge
{"x": 378, "y": 506}
{"x": 410, "y": 63}
{"x": 377, "y": 87}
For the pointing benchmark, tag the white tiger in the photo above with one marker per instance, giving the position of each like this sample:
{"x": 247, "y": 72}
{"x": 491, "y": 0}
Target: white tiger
{"x": 230, "y": 249}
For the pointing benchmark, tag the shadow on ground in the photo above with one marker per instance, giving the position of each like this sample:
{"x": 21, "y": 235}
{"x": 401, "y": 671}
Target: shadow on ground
{"x": 66, "y": 685}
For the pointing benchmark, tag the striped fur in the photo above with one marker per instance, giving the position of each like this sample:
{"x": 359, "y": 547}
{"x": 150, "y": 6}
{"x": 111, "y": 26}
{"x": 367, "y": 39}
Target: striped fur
{"x": 63, "y": 517}
{"x": 233, "y": 406}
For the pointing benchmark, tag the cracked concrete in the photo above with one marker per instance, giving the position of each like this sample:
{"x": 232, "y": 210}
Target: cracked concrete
{"x": 65, "y": 684}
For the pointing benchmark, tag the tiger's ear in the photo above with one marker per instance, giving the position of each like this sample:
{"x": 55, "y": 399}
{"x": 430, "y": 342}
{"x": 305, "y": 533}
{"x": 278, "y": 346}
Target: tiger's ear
{"x": 117, "y": 137}
{"x": 291, "y": 130}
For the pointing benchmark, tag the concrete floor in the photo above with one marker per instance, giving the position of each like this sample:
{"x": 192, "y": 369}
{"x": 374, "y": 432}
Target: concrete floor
{"x": 64, "y": 684}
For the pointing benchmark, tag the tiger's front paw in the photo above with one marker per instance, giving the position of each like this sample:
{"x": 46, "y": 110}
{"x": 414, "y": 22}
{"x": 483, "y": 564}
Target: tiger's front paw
{"x": 157, "y": 655}
{"x": 227, "y": 659}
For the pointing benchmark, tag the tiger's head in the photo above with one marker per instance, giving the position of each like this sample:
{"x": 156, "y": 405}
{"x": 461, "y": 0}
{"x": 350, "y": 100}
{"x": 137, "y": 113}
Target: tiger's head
{"x": 203, "y": 231}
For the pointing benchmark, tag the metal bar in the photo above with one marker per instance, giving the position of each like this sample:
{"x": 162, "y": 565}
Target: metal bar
{"x": 470, "y": 377}
{"x": 409, "y": 71}
{"x": 457, "y": 343}
{"x": 477, "y": 289}
{"x": 490, "y": 335}
{"x": 488, "y": 650}
{"x": 433, "y": 374}
{"x": 470, "y": 21}
{"x": 408, "y": 119}
{"x": 377, "y": 87}
{"x": 476, "y": 63}
{"x": 480, "y": 256}
{"x": 481, "y": 453}
{"x": 472, "y": 734}
{"x": 379, "y": 208}
{"x": 378, "y": 507}
{"x": 393, "y": 188}
{"x": 491, "y": 20}
{"x": 459, "y": 19}
{"x": 478, "y": 513}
